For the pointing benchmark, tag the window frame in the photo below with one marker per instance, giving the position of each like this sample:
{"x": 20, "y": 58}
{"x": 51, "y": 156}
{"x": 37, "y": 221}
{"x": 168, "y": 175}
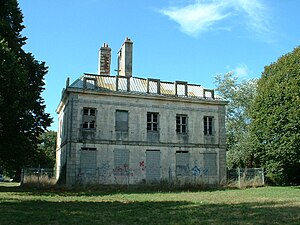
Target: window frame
{"x": 152, "y": 126}
{"x": 208, "y": 125}
{"x": 117, "y": 126}
{"x": 182, "y": 169}
{"x": 89, "y": 118}
{"x": 181, "y": 127}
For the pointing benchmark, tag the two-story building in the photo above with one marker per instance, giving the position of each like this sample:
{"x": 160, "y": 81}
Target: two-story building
{"x": 129, "y": 130}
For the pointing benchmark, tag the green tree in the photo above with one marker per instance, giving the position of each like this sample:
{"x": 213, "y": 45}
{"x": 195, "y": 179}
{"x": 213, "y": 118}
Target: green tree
{"x": 276, "y": 119}
{"x": 22, "y": 110}
{"x": 240, "y": 96}
{"x": 47, "y": 149}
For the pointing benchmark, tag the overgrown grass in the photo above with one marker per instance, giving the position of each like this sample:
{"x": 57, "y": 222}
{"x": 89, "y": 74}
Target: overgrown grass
{"x": 267, "y": 205}
{"x": 39, "y": 181}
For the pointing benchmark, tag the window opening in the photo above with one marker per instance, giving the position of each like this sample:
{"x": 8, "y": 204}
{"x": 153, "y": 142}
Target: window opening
{"x": 182, "y": 163}
{"x": 208, "y": 125}
{"x": 181, "y": 123}
{"x": 122, "y": 120}
{"x": 89, "y": 118}
{"x": 152, "y": 121}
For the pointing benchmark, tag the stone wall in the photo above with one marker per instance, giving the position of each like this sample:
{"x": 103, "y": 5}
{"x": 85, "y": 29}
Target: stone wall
{"x": 121, "y": 157}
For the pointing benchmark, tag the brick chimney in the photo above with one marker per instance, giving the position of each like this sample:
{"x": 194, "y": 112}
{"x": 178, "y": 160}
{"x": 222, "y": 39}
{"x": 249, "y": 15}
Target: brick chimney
{"x": 104, "y": 60}
{"x": 125, "y": 58}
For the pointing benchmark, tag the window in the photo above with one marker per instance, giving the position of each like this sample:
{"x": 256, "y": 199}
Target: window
{"x": 88, "y": 149}
{"x": 153, "y": 166}
{"x": 152, "y": 121}
{"x": 89, "y": 118}
{"x": 208, "y": 125}
{"x": 88, "y": 161}
{"x": 122, "y": 120}
{"x": 121, "y": 162}
{"x": 181, "y": 123}
{"x": 210, "y": 163}
{"x": 182, "y": 163}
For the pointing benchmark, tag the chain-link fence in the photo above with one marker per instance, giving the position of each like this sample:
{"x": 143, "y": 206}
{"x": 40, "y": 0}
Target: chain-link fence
{"x": 38, "y": 177}
{"x": 244, "y": 177}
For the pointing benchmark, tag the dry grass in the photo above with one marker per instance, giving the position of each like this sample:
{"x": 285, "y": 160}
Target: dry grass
{"x": 38, "y": 181}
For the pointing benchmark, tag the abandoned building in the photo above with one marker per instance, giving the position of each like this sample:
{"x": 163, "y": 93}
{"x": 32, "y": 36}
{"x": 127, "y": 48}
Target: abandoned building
{"x": 128, "y": 130}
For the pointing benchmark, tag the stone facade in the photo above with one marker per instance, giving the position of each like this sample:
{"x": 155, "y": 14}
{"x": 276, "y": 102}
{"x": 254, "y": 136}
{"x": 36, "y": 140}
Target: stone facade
{"x": 125, "y": 130}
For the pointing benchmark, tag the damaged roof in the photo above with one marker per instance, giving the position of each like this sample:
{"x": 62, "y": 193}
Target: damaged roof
{"x": 107, "y": 83}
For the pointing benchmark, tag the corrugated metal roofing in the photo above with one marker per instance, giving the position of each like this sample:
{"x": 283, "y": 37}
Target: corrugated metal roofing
{"x": 142, "y": 86}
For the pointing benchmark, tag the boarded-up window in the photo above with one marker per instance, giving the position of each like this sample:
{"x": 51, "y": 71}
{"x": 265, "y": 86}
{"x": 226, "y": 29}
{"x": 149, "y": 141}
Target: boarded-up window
{"x": 210, "y": 163}
{"x": 182, "y": 163}
{"x": 152, "y": 165}
{"x": 88, "y": 161}
{"x": 122, "y": 120}
{"x": 121, "y": 162}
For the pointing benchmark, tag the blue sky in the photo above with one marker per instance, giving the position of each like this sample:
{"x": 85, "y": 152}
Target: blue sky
{"x": 173, "y": 39}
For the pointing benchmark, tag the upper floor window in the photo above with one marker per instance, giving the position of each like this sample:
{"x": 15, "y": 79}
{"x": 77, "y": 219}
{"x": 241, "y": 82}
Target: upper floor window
{"x": 89, "y": 118}
{"x": 152, "y": 121}
{"x": 181, "y": 123}
{"x": 208, "y": 125}
{"x": 122, "y": 120}
{"x": 89, "y": 111}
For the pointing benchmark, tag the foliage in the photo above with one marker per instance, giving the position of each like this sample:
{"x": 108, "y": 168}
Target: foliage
{"x": 269, "y": 205}
{"x": 47, "y": 149}
{"x": 22, "y": 110}
{"x": 276, "y": 119}
{"x": 240, "y": 96}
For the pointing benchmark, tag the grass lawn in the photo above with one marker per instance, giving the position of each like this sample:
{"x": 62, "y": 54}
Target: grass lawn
{"x": 267, "y": 205}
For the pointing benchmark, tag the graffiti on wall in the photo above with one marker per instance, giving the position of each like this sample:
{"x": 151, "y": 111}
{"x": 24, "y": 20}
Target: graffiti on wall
{"x": 123, "y": 173}
{"x": 122, "y": 170}
{"x": 199, "y": 171}
{"x": 142, "y": 165}
{"x": 104, "y": 169}
{"x": 120, "y": 174}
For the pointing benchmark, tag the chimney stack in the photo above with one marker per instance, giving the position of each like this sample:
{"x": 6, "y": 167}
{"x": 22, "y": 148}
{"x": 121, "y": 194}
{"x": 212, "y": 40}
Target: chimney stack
{"x": 104, "y": 60}
{"x": 125, "y": 58}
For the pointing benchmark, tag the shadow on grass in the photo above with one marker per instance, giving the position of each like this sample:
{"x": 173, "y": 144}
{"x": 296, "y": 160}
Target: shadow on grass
{"x": 43, "y": 212}
{"x": 106, "y": 190}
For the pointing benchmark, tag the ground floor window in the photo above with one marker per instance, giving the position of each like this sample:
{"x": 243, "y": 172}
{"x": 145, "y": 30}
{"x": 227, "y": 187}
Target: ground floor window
{"x": 121, "y": 162}
{"x": 153, "y": 166}
{"x": 88, "y": 161}
{"x": 210, "y": 163}
{"x": 182, "y": 163}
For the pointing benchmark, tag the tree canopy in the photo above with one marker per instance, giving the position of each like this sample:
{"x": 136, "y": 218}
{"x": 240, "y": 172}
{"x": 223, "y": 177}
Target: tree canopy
{"x": 22, "y": 110}
{"x": 240, "y": 96}
{"x": 47, "y": 149}
{"x": 276, "y": 119}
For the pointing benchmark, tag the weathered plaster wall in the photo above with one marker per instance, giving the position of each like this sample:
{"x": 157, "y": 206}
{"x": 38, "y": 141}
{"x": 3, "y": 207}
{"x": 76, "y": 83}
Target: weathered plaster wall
{"x": 137, "y": 141}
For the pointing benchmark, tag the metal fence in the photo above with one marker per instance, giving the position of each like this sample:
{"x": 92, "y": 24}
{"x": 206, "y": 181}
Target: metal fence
{"x": 38, "y": 176}
{"x": 246, "y": 176}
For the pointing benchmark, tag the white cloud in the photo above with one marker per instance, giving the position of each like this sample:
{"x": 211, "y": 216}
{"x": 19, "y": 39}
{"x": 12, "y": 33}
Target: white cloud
{"x": 203, "y": 16}
{"x": 256, "y": 15}
{"x": 198, "y": 17}
{"x": 241, "y": 71}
